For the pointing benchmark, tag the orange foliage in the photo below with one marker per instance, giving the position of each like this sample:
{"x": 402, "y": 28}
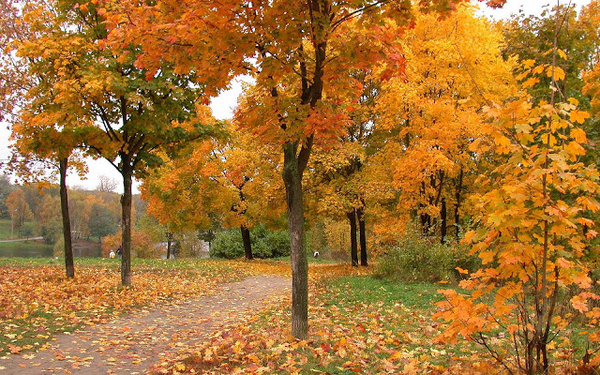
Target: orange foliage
{"x": 532, "y": 238}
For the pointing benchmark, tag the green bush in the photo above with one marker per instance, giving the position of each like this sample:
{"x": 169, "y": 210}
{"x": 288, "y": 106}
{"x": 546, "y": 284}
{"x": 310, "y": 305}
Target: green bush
{"x": 227, "y": 244}
{"x": 265, "y": 243}
{"x": 417, "y": 259}
{"x": 27, "y": 230}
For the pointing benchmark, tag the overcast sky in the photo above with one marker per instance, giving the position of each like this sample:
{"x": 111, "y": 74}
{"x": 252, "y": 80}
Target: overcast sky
{"x": 223, "y": 105}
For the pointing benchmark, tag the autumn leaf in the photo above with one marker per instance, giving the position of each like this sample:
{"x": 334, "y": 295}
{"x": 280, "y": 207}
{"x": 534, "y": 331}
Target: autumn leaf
{"x": 579, "y": 117}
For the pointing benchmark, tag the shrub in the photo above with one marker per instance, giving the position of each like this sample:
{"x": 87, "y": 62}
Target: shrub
{"x": 27, "y": 230}
{"x": 417, "y": 259}
{"x": 227, "y": 244}
{"x": 265, "y": 243}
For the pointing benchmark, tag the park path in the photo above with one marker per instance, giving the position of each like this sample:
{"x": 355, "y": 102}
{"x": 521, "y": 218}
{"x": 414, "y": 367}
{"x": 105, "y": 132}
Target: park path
{"x": 23, "y": 239}
{"x": 131, "y": 344}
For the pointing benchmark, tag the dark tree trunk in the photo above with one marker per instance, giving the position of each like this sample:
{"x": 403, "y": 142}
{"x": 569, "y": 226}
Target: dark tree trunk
{"x": 246, "y": 241}
{"x": 353, "y": 246}
{"x": 127, "y": 173}
{"x": 169, "y": 240}
{"x": 443, "y": 221}
{"x": 66, "y": 220}
{"x": 425, "y": 224}
{"x": 457, "y": 197}
{"x": 292, "y": 177}
{"x": 360, "y": 214}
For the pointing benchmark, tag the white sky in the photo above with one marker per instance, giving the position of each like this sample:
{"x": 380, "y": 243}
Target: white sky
{"x": 225, "y": 103}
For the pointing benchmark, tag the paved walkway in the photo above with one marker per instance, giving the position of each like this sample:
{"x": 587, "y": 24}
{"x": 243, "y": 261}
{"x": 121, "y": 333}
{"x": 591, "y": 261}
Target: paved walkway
{"x": 131, "y": 344}
{"x": 23, "y": 239}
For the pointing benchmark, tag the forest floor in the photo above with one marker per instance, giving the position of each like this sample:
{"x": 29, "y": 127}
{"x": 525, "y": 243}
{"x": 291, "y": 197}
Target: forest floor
{"x": 225, "y": 317}
{"x": 131, "y": 343}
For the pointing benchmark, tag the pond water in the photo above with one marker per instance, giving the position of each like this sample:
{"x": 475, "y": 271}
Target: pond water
{"x": 25, "y": 250}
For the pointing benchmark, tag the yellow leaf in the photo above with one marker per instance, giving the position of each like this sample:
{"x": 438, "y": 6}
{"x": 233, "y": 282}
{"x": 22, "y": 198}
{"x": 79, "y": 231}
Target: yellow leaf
{"x": 538, "y": 69}
{"x": 530, "y": 82}
{"x": 397, "y": 355}
{"x": 179, "y": 367}
{"x": 558, "y": 73}
{"x": 575, "y": 148}
{"x": 579, "y": 135}
{"x": 528, "y": 64}
{"x": 579, "y": 116}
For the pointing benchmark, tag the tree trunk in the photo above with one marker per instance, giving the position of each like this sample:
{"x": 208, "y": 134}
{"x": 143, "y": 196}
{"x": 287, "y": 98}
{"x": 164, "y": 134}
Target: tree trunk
{"x": 353, "y": 246}
{"x": 443, "y": 221}
{"x": 360, "y": 214}
{"x": 66, "y": 220}
{"x": 127, "y": 173}
{"x": 169, "y": 239}
{"x": 292, "y": 177}
{"x": 457, "y": 195}
{"x": 246, "y": 241}
{"x": 425, "y": 224}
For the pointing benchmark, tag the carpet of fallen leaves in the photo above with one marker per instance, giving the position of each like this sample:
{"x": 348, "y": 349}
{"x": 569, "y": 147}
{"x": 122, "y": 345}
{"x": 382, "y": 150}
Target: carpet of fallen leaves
{"x": 355, "y": 328}
{"x": 357, "y": 324}
{"x": 368, "y": 334}
{"x": 38, "y": 301}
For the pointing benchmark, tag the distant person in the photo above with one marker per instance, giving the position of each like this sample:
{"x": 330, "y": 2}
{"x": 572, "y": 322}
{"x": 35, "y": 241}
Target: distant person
{"x": 316, "y": 254}
{"x": 119, "y": 252}
{"x": 112, "y": 254}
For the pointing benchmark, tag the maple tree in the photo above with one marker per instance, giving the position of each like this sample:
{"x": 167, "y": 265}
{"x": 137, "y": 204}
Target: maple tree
{"x": 429, "y": 119}
{"x": 230, "y": 180}
{"x": 116, "y": 111}
{"x": 336, "y": 179}
{"x": 530, "y": 37}
{"x": 50, "y": 218}
{"x": 534, "y": 231}
{"x": 45, "y": 138}
{"x": 335, "y": 189}
{"x": 18, "y": 210}
{"x": 302, "y": 67}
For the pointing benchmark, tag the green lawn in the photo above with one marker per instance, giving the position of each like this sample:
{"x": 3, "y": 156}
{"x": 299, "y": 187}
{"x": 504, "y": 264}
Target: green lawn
{"x": 5, "y": 229}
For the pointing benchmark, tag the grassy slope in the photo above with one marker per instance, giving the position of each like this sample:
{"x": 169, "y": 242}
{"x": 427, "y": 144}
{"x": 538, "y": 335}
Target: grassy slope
{"x": 5, "y": 229}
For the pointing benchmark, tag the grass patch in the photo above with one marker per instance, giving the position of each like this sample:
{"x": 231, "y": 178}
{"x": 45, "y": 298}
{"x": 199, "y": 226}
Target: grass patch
{"x": 367, "y": 289}
{"x": 5, "y": 230}
{"x": 5, "y": 226}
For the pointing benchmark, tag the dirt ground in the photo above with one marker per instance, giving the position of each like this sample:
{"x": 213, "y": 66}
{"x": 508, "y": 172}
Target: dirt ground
{"x": 131, "y": 344}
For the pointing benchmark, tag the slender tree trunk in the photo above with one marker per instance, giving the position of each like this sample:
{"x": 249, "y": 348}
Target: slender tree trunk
{"x": 246, "y": 241}
{"x": 443, "y": 221}
{"x": 169, "y": 238}
{"x": 457, "y": 196}
{"x": 425, "y": 224}
{"x": 362, "y": 230}
{"x": 66, "y": 220}
{"x": 292, "y": 177}
{"x": 353, "y": 246}
{"x": 127, "y": 173}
